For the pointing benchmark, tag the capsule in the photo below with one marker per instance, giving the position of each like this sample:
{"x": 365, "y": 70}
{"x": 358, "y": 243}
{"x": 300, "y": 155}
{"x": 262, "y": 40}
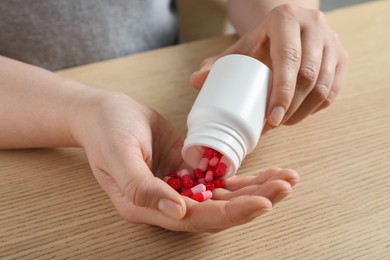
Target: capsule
{"x": 210, "y": 186}
{"x": 186, "y": 179}
{"x": 218, "y": 183}
{"x": 194, "y": 190}
{"x": 202, "y": 196}
{"x": 174, "y": 175}
{"x": 173, "y": 182}
{"x": 209, "y": 174}
{"x": 204, "y": 161}
{"x": 198, "y": 174}
{"x": 220, "y": 170}
{"x": 215, "y": 159}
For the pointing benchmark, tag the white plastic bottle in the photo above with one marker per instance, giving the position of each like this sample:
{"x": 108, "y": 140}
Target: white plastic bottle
{"x": 228, "y": 114}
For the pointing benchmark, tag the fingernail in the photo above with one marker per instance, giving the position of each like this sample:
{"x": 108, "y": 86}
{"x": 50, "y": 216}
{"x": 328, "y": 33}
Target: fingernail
{"x": 276, "y": 116}
{"x": 170, "y": 208}
{"x": 193, "y": 74}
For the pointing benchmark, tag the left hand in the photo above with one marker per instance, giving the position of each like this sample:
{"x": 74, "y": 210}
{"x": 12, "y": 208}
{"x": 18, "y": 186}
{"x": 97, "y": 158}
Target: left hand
{"x": 305, "y": 55}
{"x": 130, "y": 147}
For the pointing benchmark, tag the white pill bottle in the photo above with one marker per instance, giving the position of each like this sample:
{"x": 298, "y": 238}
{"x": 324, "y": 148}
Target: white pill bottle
{"x": 228, "y": 114}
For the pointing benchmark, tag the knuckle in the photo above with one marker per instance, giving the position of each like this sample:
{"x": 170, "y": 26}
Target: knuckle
{"x": 291, "y": 54}
{"x": 129, "y": 215}
{"x": 308, "y": 73}
{"x": 329, "y": 99}
{"x": 328, "y": 70}
{"x": 287, "y": 8}
{"x": 189, "y": 226}
{"x": 285, "y": 11}
{"x": 318, "y": 16}
{"x": 136, "y": 192}
{"x": 284, "y": 94}
{"x": 321, "y": 92}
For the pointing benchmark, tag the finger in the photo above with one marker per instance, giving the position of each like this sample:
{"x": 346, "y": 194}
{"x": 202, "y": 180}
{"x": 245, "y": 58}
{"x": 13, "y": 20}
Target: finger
{"x": 274, "y": 190}
{"x": 142, "y": 189}
{"x": 341, "y": 71}
{"x": 239, "y": 182}
{"x": 253, "y": 45}
{"x": 198, "y": 78}
{"x": 285, "y": 52}
{"x": 211, "y": 214}
{"x": 266, "y": 129}
{"x": 124, "y": 207}
{"x": 321, "y": 89}
{"x": 312, "y": 50}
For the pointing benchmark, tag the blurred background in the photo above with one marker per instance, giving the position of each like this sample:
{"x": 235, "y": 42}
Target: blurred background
{"x": 207, "y": 18}
{"x": 327, "y": 5}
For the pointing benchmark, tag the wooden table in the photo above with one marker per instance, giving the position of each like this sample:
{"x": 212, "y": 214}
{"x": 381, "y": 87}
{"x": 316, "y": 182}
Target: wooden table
{"x": 51, "y": 206}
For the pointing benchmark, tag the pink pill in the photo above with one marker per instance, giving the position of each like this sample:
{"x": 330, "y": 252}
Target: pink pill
{"x": 204, "y": 161}
{"x": 209, "y": 174}
{"x": 194, "y": 190}
{"x": 215, "y": 159}
{"x": 202, "y": 196}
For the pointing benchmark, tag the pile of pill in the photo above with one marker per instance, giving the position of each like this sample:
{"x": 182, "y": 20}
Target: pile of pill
{"x": 204, "y": 179}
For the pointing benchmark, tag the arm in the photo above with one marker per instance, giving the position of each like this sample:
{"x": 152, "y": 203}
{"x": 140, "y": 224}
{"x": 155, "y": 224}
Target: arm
{"x": 35, "y": 109}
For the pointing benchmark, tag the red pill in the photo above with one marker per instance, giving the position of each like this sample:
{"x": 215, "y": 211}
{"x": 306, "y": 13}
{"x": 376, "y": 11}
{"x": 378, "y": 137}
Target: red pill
{"x": 186, "y": 179}
{"x": 174, "y": 183}
{"x": 198, "y": 173}
{"x": 209, "y": 174}
{"x": 210, "y": 186}
{"x": 220, "y": 170}
{"x": 174, "y": 175}
{"x": 215, "y": 159}
{"x": 204, "y": 161}
{"x": 202, "y": 196}
{"x": 218, "y": 183}
{"x": 202, "y": 181}
{"x": 196, "y": 189}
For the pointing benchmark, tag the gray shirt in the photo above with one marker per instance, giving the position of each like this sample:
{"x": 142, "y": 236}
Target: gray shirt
{"x": 56, "y": 34}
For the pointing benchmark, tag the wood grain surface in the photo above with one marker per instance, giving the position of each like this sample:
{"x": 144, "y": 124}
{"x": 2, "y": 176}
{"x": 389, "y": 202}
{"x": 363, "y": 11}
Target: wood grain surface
{"x": 51, "y": 206}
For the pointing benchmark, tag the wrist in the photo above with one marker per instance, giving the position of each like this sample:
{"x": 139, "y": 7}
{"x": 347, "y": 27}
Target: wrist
{"x": 88, "y": 113}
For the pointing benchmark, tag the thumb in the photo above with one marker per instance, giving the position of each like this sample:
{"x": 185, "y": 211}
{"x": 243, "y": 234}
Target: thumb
{"x": 243, "y": 46}
{"x": 142, "y": 189}
{"x": 152, "y": 192}
{"x": 198, "y": 78}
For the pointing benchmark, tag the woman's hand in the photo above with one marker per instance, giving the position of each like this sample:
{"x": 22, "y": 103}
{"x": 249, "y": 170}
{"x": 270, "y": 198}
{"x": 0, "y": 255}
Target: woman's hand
{"x": 305, "y": 55}
{"x": 130, "y": 147}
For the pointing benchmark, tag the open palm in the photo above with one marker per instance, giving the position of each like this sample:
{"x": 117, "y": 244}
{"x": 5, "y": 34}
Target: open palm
{"x": 130, "y": 147}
